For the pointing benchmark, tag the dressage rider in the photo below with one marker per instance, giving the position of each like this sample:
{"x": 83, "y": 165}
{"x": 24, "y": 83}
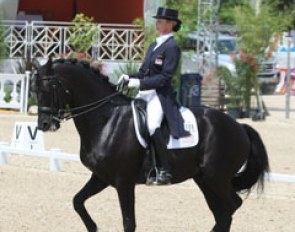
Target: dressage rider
{"x": 154, "y": 83}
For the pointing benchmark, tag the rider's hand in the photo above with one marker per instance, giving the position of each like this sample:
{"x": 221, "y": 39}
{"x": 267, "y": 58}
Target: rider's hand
{"x": 133, "y": 83}
{"x": 123, "y": 78}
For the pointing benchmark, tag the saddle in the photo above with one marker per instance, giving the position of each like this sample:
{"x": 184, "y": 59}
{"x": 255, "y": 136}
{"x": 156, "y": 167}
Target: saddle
{"x": 139, "y": 112}
{"x": 140, "y": 118}
{"x": 142, "y": 133}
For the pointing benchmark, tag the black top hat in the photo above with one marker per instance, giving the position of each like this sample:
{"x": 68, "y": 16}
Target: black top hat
{"x": 170, "y": 14}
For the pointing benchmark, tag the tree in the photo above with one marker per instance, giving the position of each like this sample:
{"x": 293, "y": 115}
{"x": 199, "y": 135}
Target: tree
{"x": 280, "y": 5}
{"x": 188, "y": 13}
{"x": 2, "y": 41}
{"x": 283, "y": 9}
{"x": 227, "y": 10}
{"x": 255, "y": 33}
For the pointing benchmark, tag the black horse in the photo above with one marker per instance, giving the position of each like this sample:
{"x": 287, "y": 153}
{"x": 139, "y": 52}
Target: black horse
{"x": 109, "y": 148}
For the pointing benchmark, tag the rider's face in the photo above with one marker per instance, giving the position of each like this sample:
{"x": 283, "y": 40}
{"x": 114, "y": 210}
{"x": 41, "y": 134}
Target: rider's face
{"x": 164, "y": 26}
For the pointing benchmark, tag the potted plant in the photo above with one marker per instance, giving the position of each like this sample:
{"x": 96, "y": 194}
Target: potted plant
{"x": 255, "y": 30}
{"x": 233, "y": 91}
{"x": 83, "y": 35}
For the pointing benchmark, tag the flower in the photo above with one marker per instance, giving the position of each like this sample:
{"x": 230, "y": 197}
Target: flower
{"x": 246, "y": 63}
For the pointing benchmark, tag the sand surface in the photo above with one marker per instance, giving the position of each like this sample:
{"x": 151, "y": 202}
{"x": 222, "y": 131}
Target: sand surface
{"x": 32, "y": 198}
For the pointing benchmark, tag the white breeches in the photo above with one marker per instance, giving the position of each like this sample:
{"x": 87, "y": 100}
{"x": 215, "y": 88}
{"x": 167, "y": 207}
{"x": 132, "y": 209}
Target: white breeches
{"x": 154, "y": 109}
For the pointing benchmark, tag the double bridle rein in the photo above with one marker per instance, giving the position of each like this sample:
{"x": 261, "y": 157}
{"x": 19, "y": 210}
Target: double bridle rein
{"x": 62, "y": 114}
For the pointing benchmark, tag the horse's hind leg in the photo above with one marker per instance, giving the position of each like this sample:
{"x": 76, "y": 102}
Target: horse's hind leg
{"x": 92, "y": 187}
{"x": 222, "y": 201}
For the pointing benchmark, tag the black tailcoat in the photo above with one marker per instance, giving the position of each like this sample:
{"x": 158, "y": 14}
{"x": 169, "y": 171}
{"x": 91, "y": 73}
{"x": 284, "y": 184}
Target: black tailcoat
{"x": 156, "y": 72}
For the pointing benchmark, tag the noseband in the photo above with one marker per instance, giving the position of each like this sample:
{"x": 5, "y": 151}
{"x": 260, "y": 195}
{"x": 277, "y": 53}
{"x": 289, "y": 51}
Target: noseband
{"x": 57, "y": 110}
{"x": 54, "y": 110}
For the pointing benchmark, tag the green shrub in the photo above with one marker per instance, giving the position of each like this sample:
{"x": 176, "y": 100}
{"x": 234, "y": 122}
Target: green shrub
{"x": 83, "y": 33}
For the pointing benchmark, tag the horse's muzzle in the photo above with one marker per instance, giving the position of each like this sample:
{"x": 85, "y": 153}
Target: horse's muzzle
{"x": 48, "y": 124}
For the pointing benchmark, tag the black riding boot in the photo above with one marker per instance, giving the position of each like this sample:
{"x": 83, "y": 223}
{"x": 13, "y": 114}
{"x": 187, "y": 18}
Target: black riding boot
{"x": 159, "y": 144}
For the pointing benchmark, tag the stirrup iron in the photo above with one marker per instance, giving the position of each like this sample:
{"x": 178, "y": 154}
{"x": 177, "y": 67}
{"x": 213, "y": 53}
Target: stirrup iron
{"x": 152, "y": 176}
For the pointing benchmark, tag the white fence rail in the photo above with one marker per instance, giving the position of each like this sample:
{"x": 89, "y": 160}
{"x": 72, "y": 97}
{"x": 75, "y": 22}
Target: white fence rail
{"x": 55, "y": 156}
{"x": 41, "y": 39}
{"x": 14, "y": 90}
{"x": 281, "y": 178}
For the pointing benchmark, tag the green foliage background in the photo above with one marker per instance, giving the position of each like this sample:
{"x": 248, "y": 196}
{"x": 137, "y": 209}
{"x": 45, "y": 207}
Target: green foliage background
{"x": 2, "y": 44}
{"x": 255, "y": 31}
{"x": 284, "y": 10}
{"x": 84, "y": 30}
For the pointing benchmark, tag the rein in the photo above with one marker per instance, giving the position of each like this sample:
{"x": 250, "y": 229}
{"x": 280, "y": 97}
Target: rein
{"x": 67, "y": 114}
{"x": 62, "y": 115}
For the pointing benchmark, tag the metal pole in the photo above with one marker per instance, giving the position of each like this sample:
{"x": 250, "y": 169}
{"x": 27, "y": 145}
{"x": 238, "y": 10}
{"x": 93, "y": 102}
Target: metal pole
{"x": 74, "y": 8}
{"x": 288, "y": 81}
{"x": 216, "y": 21}
{"x": 27, "y": 91}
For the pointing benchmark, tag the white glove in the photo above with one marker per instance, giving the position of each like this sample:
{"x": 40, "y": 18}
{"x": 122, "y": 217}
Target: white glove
{"x": 122, "y": 78}
{"x": 133, "y": 83}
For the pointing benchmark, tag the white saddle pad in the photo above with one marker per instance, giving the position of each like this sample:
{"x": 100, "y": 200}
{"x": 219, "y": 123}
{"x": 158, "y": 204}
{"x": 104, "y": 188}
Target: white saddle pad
{"x": 190, "y": 125}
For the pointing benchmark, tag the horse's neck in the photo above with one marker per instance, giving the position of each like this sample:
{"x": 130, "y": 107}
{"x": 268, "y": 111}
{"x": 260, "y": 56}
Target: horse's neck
{"x": 101, "y": 126}
{"x": 84, "y": 94}
{"x": 96, "y": 126}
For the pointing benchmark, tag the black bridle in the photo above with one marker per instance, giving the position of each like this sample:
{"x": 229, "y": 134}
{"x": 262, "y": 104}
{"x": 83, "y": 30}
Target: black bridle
{"x": 61, "y": 113}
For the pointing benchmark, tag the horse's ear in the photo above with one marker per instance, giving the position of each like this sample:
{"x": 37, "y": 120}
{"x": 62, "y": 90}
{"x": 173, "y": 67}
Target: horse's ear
{"x": 48, "y": 65}
{"x": 49, "y": 62}
{"x": 35, "y": 64}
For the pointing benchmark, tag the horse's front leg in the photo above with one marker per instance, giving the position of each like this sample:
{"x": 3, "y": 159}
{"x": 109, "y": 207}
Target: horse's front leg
{"x": 92, "y": 187}
{"x": 126, "y": 198}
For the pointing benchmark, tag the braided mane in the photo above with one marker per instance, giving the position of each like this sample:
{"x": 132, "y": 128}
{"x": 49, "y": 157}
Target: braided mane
{"x": 88, "y": 66}
{"x": 84, "y": 64}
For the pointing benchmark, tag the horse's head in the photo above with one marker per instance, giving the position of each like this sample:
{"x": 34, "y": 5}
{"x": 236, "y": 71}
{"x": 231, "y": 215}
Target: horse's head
{"x": 48, "y": 89}
{"x": 68, "y": 89}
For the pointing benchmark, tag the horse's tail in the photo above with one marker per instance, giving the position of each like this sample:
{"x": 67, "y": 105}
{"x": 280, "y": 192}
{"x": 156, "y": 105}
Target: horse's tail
{"x": 257, "y": 164}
